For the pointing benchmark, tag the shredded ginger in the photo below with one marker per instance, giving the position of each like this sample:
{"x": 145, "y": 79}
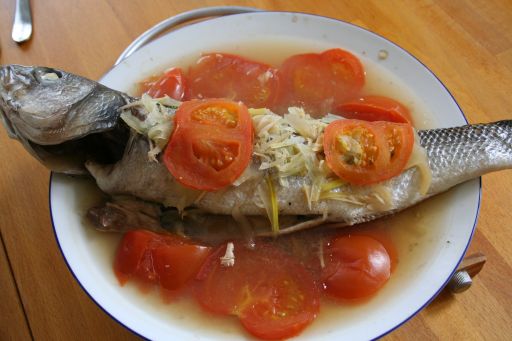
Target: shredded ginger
{"x": 268, "y": 196}
{"x": 229, "y": 257}
{"x": 290, "y": 145}
{"x": 156, "y": 121}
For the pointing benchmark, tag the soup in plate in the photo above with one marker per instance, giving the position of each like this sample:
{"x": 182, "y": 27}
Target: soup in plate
{"x": 330, "y": 273}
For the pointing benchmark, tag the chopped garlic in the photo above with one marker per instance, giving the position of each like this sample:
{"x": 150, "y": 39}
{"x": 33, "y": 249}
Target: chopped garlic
{"x": 229, "y": 257}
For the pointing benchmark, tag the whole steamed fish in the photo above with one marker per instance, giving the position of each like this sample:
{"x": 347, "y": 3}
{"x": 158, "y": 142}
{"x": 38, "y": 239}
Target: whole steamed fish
{"x": 77, "y": 126}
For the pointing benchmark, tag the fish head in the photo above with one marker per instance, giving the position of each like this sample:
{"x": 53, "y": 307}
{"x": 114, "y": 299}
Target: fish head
{"x": 59, "y": 116}
{"x": 22, "y": 89}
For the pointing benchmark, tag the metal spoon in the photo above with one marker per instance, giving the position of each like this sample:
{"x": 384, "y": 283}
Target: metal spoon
{"x": 22, "y": 26}
{"x": 468, "y": 268}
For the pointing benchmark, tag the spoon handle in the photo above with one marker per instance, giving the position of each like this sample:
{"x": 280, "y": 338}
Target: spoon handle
{"x": 182, "y": 18}
{"x": 22, "y": 26}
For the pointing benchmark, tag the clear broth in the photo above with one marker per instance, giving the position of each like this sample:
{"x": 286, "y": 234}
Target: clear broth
{"x": 413, "y": 231}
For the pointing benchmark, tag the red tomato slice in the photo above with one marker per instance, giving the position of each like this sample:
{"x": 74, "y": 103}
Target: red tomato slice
{"x": 363, "y": 153}
{"x": 375, "y": 108}
{"x": 172, "y": 83}
{"x": 169, "y": 261}
{"x": 356, "y": 266}
{"x": 378, "y": 230}
{"x": 222, "y": 75}
{"x": 211, "y": 144}
{"x": 400, "y": 140}
{"x": 346, "y": 68}
{"x": 130, "y": 253}
{"x": 273, "y": 295}
{"x": 355, "y": 151}
{"x": 176, "y": 265}
{"x": 319, "y": 82}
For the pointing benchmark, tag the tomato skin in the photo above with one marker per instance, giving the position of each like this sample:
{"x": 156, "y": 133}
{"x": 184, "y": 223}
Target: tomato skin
{"x": 223, "y": 75}
{"x": 211, "y": 144}
{"x": 368, "y": 169}
{"x": 375, "y": 108}
{"x": 165, "y": 260}
{"x": 357, "y": 266}
{"x": 129, "y": 254}
{"x": 364, "y": 153}
{"x": 276, "y": 303}
{"x": 400, "y": 140}
{"x": 225, "y": 304}
{"x": 348, "y": 67}
{"x": 378, "y": 231}
{"x": 172, "y": 83}
{"x": 300, "y": 81}
{"x": 257, "y": 324}
{"x": 320, "y": 81}
{"x": 177, "y": 265}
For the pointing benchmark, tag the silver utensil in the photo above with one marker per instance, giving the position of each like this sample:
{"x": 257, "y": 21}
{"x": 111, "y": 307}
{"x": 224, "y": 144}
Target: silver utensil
{"x": 22, "y": 26}
{"x": 182, "y": 18}
{"x": 470, "y": 266}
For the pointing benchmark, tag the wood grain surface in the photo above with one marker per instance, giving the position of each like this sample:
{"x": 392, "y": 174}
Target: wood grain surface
{"x": 467, "y": 44}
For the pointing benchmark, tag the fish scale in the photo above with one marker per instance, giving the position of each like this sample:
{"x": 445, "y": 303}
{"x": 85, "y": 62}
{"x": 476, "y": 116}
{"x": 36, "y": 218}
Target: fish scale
{"x": 467, "y": 151}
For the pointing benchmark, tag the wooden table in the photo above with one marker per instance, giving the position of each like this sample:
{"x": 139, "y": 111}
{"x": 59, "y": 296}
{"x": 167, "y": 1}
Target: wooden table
{"x": 467, "y": 44}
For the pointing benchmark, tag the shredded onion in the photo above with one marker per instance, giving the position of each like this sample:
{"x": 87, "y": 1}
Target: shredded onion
{"x": 154, "y": 121}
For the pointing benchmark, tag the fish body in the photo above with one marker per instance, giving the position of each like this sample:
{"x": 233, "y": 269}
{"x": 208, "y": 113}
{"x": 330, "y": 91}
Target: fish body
{"x": 455, "y": 155}
{"x": 46, "y": 108}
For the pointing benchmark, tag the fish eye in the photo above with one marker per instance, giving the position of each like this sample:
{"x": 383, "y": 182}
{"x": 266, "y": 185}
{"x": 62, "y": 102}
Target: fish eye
{"x": 47, "y": 74}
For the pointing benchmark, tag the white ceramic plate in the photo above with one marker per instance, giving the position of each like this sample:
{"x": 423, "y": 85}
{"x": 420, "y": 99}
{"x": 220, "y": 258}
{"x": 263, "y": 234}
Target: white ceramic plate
{"x": 459, "y": 213}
